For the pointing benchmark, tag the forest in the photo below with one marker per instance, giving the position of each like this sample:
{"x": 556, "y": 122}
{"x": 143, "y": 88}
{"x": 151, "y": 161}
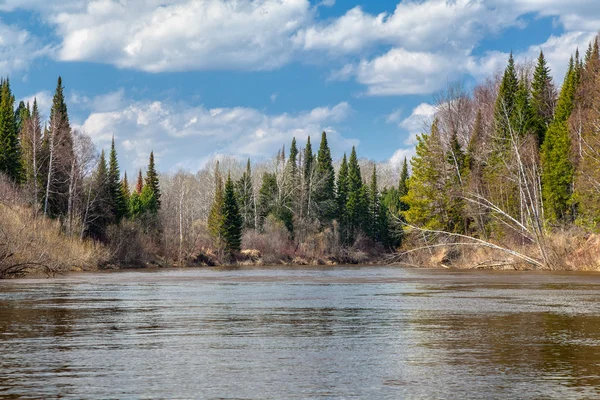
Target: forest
{"x": 506, "y": 175}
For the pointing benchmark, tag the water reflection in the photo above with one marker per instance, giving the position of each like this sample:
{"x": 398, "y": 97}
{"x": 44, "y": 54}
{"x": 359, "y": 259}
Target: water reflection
{"x": 370, "y": 333}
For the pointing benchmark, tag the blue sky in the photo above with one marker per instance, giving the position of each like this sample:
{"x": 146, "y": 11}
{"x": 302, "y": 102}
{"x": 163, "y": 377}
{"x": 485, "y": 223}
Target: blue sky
{"x": 193, "y": 79}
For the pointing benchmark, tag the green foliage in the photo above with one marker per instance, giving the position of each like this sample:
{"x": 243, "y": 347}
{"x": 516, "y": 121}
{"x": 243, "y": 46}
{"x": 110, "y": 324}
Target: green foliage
{"x": 126, "y": 194}
{"x": 118, "y": 202}
{"x": 10, "y": 150}
{"x": 357, "y": 205}
{"x": 542, "y": 98}
{"x": 267, "y": 197}
{"x": 100, "y": 215}
{"x": 152, "y": 181}
{"x": 427, "y": 197}
{"x": 325, "y": 196}
{"x": 557, "y": 168}
{"x": 342, "y": 200}
{"x": 231, "y": 229}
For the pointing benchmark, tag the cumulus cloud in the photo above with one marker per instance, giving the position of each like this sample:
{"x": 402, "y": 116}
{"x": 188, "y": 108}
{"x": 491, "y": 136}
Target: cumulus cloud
{"x": 18, "y": 48}
{"x": 416, "y": 123}
{"x": 181, "y": 133}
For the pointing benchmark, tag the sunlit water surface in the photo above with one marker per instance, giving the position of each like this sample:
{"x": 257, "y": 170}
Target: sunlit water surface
{"x": 371, "y": 333}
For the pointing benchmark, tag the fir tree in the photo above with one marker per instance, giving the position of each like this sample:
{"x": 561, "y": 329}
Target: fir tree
{"x": 152, "y": 181}
{"x": 342, "y": 200}
{"x": 403, "y": 185}
{"x": 325, "y": 176}
{"x": 100, "y": 209}
{"x": 427, "y": 197}
{"x": 506, "y": 101}
{"x": 231, "y": 228}
{"x": 542, "y": 98}
{"x": 10, "y": 151}
{"x": 118, "y": 201}
{"x": 557, "y": 169}
{"x": 307, "y": 181}
{"x": 356, "y": 207}
{"x": 267, "y": 198}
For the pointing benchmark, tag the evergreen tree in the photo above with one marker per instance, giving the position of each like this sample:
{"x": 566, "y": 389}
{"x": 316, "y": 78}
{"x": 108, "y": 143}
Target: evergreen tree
{"x": 126, "y": 193}
{"x": 140, "y": 183}
{"x": 100, "y": 208}
{"x": 118, "y": 202}
{"x": 375, "y": 209}
{"x": 325, "y": 176}
{"x": 31, "y": 143}
{"x": 557, "y": 168}
{"x": 542, "y": 98}
{"x": 152, "y": 181}
{"x": 403, "y": 185}
{"x": 342, "y": 200}
{"x": 245, "y": 195}
{"x": 307, "y": 181}
{"x": 57, "y": 156}
{"x": 215, "y": 217}
{"x": 267, "y": 198}
{"x": 356, "y": 206}
{"x": 505, "y": 102}
{"x": 427, "y": 198}
{"x": 10, "y": 151}
{"x": 231, "y": 228}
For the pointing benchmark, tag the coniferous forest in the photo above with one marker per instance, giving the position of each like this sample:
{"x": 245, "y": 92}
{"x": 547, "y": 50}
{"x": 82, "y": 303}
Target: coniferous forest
{"x": 506, "y": 175}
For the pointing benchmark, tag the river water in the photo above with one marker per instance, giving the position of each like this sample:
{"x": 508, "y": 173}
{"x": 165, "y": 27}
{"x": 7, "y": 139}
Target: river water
{"x": 371, "y": 333}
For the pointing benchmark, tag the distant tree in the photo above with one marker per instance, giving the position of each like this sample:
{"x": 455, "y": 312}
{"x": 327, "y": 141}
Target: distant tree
{"x": 152, "y": 181}
{"x": 215, "y": 217}
{"x": 10, "y": 150}
{"x": 245, "y": 195}
{"x": 231, "y": 228}
{"x": 118, "y": 201}
{"x": 325, "y": 196}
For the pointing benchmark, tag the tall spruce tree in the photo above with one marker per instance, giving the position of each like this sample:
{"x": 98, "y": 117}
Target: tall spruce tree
{"x": 231, "y": 228}
{"x": 100, "y": 213}
{"x": 427, "y": 198}
{"x": 325, "y": 176}
{"x": 342, "y": 200}
{"x": 152, "y": 182}
{"x": 357, "y": 204}
{"x": 543, "y": 97}
{"x": 557, "y": 168}
{"x": 10, "y": 150}
{"x": 118, "y": 204}
{"x": 308, "y": 184}
{"x": 267, "y": 198}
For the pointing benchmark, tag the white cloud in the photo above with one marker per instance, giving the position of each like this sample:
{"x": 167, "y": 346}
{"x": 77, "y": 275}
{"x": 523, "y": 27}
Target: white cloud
{"x": 18, "y": 48}
{"x": 44, "y": 102}
{"x": 180, "y": 35}
{"x": 181, "y": 133}
{"x": 397, "y": 159}
{"x": 418, "y": 121}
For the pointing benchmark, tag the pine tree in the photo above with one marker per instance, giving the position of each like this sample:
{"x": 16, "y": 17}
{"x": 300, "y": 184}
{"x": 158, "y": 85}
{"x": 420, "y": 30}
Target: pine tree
{"x": 152, "y": 181}
{"x": 505, "y": 102}
{"x": 215, "y": 217}
{"x": 557, "y": 168}
{"x": 10, "y": 151}
{"x": 118, "y": 203}
{"x": 245, "y": 195}
{"x": 325, "y": 176}
{"x": 231, "y": 228}
{"x": 375, "y": 212}
{"x": 542, "y": 98}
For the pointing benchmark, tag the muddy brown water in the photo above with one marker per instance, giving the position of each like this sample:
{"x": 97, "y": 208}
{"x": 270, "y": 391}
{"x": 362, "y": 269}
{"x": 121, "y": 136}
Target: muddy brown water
{"x": 374, "y": 333}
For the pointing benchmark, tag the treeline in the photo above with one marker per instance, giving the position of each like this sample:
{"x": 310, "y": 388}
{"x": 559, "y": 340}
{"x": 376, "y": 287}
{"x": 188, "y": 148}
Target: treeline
{"x": 303, "y": 194}
{"x": 514, "y": 162}
{"x": 61, "y": 175}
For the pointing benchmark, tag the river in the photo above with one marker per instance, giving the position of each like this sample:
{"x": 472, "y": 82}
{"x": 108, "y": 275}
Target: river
{"x": 373, "y": 333}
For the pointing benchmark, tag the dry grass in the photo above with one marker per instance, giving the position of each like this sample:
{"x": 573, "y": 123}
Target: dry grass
{"x": 29, "y": 244}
